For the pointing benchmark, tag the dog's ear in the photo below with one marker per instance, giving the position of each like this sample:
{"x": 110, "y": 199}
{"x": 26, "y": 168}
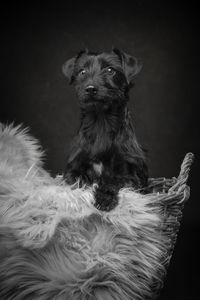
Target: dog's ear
{"x": 130, "y": 64}
{"x": 68, "y": 67}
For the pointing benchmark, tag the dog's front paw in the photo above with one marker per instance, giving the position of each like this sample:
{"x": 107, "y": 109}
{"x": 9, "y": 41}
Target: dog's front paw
{"x": 106, "y": 198}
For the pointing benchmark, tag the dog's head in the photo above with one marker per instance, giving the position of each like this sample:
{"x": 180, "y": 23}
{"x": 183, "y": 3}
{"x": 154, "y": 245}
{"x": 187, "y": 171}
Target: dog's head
{"x": 102, "y": 77}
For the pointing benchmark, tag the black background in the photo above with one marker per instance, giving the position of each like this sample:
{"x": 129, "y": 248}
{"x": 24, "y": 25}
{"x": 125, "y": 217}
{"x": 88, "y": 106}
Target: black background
{"x": 35, "y": 42}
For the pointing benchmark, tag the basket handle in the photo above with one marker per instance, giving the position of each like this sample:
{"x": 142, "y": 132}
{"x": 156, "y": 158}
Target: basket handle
{"x": 184, "y": 173}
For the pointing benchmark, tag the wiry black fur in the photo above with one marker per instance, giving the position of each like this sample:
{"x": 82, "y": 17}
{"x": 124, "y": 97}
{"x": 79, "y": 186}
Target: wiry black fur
{"x": 105, "y": 150}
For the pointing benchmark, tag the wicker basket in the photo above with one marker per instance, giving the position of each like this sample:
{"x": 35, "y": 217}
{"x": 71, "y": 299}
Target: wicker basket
{"x": 171, "y": 194}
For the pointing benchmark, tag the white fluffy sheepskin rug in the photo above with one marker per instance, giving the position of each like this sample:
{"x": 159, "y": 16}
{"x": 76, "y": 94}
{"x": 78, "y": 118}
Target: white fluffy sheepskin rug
{"x": 54, "y": 244}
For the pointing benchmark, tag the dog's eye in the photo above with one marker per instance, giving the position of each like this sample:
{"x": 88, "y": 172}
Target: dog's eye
{"x": 82, "y": 72}
{"x": 110, "y": 71}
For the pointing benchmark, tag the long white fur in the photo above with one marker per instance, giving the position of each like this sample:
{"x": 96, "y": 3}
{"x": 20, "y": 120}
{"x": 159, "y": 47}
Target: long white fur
{"x": 56, "y": 245}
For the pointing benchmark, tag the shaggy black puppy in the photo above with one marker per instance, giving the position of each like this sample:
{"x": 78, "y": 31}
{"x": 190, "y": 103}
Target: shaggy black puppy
{"x": 105, "y": 150}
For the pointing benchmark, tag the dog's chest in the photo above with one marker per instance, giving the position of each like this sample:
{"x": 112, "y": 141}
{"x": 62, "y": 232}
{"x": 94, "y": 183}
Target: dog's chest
{"x": 98, "y": 168}
{"x": 110, "y": 163}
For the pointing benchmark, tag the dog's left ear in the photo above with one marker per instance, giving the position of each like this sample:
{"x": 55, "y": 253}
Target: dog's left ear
{"x": 68, "y": 68}
{"x": 130, "y": 64}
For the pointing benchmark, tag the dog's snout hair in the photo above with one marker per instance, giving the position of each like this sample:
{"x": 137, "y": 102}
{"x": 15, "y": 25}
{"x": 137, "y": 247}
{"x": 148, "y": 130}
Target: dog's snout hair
{"x": 106, "y": 136}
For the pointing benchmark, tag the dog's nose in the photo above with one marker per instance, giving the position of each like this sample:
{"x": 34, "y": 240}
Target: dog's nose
{"x": 91, "y": 89}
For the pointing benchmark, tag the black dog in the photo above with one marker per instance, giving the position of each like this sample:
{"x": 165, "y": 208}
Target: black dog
{"x": 105, "y": 150}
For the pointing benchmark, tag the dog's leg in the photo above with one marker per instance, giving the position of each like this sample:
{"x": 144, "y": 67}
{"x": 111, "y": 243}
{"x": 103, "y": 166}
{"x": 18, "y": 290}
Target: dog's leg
{"x": 106, "y": 194}
{"x": 80, "y": 170}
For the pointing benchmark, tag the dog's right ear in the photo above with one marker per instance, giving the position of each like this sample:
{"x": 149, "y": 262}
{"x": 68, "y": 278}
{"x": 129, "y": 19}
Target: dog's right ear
{"x": 68, "y": 68}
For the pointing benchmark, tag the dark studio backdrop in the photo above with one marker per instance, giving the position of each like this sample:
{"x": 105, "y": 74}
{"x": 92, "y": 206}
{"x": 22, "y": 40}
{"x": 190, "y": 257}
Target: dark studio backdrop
{"x": 35, "y": 42}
